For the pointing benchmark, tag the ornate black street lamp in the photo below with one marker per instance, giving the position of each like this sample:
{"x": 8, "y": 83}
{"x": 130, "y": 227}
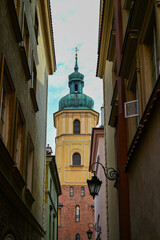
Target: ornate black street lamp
{"x": 89, "y": 233}
{"x": 96, "y": 228}
{"x": 94, "y": 184}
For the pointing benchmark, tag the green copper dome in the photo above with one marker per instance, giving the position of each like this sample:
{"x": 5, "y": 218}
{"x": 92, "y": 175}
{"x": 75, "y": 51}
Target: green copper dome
{"x": 76, "y": 99}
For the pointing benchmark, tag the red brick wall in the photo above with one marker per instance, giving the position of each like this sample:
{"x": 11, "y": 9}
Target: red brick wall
{"x": 69, "y": 227}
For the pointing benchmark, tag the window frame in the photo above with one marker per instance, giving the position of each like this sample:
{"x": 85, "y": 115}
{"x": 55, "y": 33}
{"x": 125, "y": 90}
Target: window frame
{"x": 36, "y": 26}
{"x": 82, "y": 192}
{"x": 71, "y": 193}
{"x": 11, "y": 95}
{"x": 77, "y": 213}
{"x": 29, "y": 184}
{"x": 73, "y": 160}
{"x": 21, "y": 131}
{"x": 25, "y": 32}
{"x": 34, "y": 75}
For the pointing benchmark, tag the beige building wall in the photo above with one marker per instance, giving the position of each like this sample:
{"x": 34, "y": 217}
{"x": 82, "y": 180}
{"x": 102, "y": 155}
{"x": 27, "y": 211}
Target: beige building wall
{"x": 23, "y": 53}
{"x": 110, "y": 156}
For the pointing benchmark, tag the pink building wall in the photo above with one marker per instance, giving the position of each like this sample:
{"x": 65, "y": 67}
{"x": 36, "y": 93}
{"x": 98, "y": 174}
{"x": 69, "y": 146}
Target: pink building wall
{"x": 98, "y": 155}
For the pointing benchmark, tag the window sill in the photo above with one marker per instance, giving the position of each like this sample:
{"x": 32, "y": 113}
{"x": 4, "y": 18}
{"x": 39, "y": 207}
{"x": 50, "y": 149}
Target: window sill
{"x": 34, "y": 100}
{"x": 18, "y": 177}
{"x": 29, "y": 196}
{"x": 76, "y": 166}
{"x": 25, "y": 61}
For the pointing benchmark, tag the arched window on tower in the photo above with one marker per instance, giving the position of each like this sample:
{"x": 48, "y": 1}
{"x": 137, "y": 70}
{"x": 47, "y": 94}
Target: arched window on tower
{"x": 76, "y": 159}
{"x": 77, "y": 213}
{"x": 71, "y": 191}
{"x": 82, "y": 192}
{"x": 76, "y": 127}
{"x": 76, "y": 87}
{"x": 77, "y": 236}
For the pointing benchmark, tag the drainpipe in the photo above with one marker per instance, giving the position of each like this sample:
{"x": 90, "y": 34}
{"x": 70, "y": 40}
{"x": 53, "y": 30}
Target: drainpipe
{"x": 123, "y": 188}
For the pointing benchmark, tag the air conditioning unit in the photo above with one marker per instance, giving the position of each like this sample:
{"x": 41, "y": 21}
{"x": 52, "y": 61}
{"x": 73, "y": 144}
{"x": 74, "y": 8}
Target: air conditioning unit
{"x": 131, "y": 109}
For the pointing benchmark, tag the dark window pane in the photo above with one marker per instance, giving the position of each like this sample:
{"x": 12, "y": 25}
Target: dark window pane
{"x": 76, "y": 127}
{"x": 77, "y": 236}
{"x": 76, "y": 159}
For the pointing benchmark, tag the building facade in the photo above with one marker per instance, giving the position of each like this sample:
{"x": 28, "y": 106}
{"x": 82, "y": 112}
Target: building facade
{"x": 128, "y": 62}
{"x": 52, "y": 192}
{"x": 26, "y": 58}
{"x": 97, "y": 158}
{"x": 74, "y": 122}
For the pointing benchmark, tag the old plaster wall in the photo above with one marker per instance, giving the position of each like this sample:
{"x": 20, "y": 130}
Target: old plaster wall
{"x": 110, "y": 156}
{"x": 144, "y": 183}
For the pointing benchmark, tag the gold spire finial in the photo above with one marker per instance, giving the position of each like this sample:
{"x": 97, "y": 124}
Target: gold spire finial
{"x": 76, "y": 50}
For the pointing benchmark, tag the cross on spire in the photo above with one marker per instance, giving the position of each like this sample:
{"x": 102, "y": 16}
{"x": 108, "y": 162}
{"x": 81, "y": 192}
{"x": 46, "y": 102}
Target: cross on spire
{"x": 76, "y": 64}
{"x": 76, "y": 50}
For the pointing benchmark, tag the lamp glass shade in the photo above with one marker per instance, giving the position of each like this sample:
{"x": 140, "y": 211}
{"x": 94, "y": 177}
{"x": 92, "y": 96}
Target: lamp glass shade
{"x": 89, "y": 234}
{"x": 94, "y": 186}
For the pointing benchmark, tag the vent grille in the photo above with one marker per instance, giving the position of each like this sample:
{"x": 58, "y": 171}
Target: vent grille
{"x": 131, "y": 109}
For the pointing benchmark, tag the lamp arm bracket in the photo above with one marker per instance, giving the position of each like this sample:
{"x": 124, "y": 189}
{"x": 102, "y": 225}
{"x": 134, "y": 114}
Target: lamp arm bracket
{"x": 110, "y": 173}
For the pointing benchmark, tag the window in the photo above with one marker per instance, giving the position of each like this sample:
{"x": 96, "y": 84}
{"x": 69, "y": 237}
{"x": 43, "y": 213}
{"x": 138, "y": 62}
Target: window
{"x": 77, "y": 236}
{"x": 7, "y": 106}
{"x": 82, "y": 191}
{"x": 19, "y": 137}
{"x": 30, "y": 162}
{"x": 25, "y": 32}
{"x": 77, "y": 213}
{"x": 76, "y": 127}
{"x": 71, "y": 191}
{"x": 34, "y": 75}
{"x": 76, "y": 159}
{"x": 36, "y": 26}
{"x": 76, "y": 87}
{"x": 154, "y": 55}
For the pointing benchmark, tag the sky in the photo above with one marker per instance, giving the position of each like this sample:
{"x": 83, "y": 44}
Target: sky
{"x": 75, "y": 24}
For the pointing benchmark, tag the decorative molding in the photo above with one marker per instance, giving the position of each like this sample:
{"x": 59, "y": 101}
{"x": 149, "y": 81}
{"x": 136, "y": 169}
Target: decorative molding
{"x": 63, "y": 123}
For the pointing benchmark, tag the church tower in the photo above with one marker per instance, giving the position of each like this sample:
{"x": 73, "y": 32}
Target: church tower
{"x": 74, "y": 122}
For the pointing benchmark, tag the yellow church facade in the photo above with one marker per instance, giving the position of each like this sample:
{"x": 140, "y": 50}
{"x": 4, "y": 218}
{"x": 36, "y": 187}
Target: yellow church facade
{"x": 68, "y": 144}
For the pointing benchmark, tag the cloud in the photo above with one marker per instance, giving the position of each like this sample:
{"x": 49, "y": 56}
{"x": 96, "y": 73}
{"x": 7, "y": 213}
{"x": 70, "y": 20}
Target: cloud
{"x": 75, "y": 24}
